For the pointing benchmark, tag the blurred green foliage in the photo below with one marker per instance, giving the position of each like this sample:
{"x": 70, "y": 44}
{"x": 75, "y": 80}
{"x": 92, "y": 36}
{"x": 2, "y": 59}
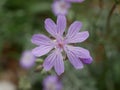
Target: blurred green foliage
{"x": 20, "y": 19}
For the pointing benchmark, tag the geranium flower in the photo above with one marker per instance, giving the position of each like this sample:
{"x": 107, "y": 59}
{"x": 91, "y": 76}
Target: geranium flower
{"x": 62, "y": 6}
{"x": 61, "y": 44}
{"x": 52, "y": 83}
{"x": 27, "y": 59}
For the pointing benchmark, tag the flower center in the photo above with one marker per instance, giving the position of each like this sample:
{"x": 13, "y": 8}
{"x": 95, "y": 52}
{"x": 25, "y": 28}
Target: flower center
{"x": 63, "y": 6}
{"x": 60, "y": 45}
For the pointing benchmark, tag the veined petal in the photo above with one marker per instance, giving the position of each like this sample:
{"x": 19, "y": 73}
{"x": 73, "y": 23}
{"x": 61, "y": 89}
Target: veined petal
{"x": 40, "y": 39}
{"x": 59, "y": 64}
{"x": 74, "y": 0}
{"x": 74, "y": 60}
{"x": 41, "y": 50}
{"x": 54, "y": 59}
{"x": 79, "y": 37}
{"x": 74, "y": 29}
{"x": 79, "y": 51}
{"x": 50, "y": 26}
{"x": 61, "y": 24}
{"x": 49, "y": 61}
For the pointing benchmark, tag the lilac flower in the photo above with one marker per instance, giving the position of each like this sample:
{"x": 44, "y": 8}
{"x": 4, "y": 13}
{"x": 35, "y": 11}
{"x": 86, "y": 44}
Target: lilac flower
{"x": 52, "y": 83}
{"x": 27, "y": 60}
{"x": 62, "y": 44}
{"x": 62, "y": 6}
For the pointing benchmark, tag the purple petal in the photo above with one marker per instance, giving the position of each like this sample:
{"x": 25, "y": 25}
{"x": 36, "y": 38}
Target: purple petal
{"x": 74, "y": 0}
{"x": 52, "y": 83}
{"x": 55, "y": 59}
{"x": 27, "y": 60}
{"x": 61, "y": 24}
{"x": 79, "y": 37}
{"x": 74, "y": 60}
{"x": 86, "y": 60}
{"x": 59, "y": 64}
{"x": 41, "y": 50}
{"x": 60, "y": 7}
{"x": 74, "y": 29}
{"x": 49, "y": 61}
{"x": 79, "y": 51}
{"x": 40, "y": 39}
{"x": 50, "y": 26}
